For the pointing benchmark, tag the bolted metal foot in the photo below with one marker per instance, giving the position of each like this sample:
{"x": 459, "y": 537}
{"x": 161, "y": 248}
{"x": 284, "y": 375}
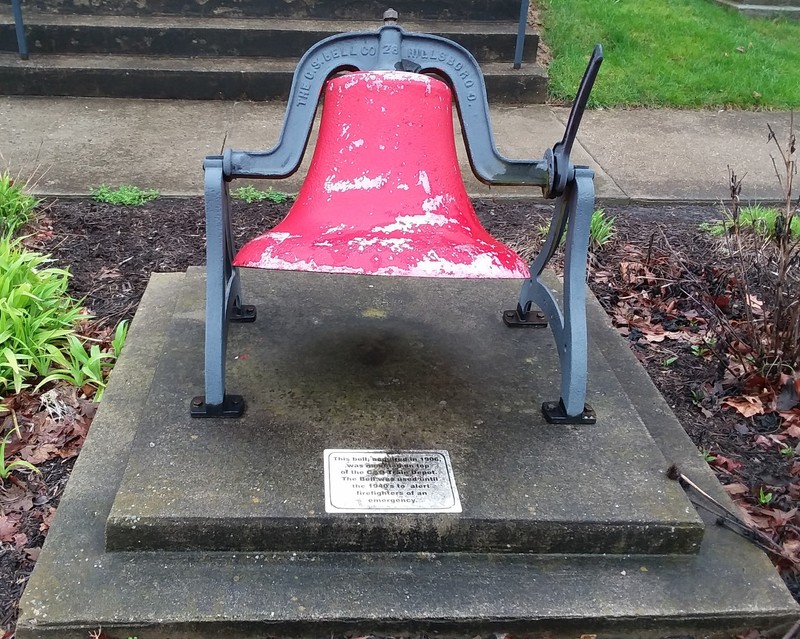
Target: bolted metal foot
{"x": 243, "y": 313}
{"x": 556, "y": 413}
{"x": 534, "y": 318}
{"x": 231, "y": 406}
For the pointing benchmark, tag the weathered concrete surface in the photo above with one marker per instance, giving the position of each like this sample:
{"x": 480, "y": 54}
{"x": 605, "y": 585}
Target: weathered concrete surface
{"x": 77, "y": 586}
{"x": 374, "y": 363}
{"x": 668, "y": 155}
{"x": 68, "y": 146}
{"x": 74, "y": 144}
{"x": 684, "y": 155}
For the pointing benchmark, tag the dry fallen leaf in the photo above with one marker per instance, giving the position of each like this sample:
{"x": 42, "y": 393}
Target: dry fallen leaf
{"x": 8, "y": 527}
{"x": 47, "y": 519}
{"x": 789, "y": 397}
{"x": 38, "y": 454}
{"x": 756, "y": 305}
{"x": 33, "y": 553}
{"x": 736, "y": 489}
{"x": 15, "y": 499}
{"x": 793, "y": 431}
{"x": 792, "y": 547}
{"x": 746, "y": 405}
{"x": 20, "y": 539}
{"x": 726, "y": 463}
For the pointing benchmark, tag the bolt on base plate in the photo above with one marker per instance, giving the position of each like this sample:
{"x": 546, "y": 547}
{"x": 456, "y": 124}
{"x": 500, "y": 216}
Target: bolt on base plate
{"x": 243, "y": 313}
{"x": 534, "y": 318}
{"x": 556, "y": 413}
{"x": 231, "y": 406}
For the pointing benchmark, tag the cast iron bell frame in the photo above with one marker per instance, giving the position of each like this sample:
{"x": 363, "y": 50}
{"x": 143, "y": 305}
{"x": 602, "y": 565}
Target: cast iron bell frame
{"x": 392, "y": 48}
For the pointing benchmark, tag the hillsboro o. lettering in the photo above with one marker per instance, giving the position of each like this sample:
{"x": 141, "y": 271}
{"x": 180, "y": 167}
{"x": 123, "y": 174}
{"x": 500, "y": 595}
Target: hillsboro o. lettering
{"x": 460, "y": 70}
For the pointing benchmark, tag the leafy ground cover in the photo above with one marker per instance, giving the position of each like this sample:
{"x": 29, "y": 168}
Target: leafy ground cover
{"x": 682, "y": 53}
{"x": 662, "y": 279}
{"x": 16, "y": 205}
{"x": 54, "y": 361}
{"x": 125, "y": 194}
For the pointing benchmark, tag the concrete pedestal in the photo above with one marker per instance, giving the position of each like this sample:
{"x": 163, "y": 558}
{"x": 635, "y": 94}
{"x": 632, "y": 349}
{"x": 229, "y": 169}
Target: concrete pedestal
{"x": 199, "y": 528}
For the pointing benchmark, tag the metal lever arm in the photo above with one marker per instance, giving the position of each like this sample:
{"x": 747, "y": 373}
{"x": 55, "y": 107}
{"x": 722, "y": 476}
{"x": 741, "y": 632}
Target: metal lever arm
{"x": 559, "y": 166}
{"x": 574, "y": 189}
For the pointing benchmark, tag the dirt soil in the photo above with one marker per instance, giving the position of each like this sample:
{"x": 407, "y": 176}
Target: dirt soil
{"x": 111, "y": 252}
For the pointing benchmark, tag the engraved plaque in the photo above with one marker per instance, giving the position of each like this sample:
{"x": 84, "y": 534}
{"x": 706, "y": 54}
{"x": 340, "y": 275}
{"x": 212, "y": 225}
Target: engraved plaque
{"x": 382, "y": 481}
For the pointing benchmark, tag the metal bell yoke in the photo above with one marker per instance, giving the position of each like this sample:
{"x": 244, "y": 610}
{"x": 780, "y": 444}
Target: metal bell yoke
{"x": 395, "y": 64}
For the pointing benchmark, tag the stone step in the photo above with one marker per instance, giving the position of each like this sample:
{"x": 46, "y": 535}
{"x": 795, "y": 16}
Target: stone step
{"x": 789, "y": 9}
{"x": 462, "y": 10}
{"x": 766, "y": 4}
{"x": 248, "y": 37}
{"x": 205, "y": 78}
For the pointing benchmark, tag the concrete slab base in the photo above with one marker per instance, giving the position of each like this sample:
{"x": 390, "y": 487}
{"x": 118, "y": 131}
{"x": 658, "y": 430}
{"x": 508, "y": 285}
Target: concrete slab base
{"x": 252, "y": 585}
{"x": 361, "y": 362}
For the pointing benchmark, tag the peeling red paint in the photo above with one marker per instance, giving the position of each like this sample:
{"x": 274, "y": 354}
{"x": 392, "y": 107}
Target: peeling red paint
{"x": 384, "y": 194}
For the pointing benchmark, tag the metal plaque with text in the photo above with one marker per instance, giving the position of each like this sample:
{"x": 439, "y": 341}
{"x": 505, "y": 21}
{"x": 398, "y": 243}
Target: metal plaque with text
{"x": 383, "y": 481}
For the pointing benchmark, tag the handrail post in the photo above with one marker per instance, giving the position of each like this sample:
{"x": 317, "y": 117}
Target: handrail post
{"x": 22, "y": 44}
{"x": 523, "y": 21}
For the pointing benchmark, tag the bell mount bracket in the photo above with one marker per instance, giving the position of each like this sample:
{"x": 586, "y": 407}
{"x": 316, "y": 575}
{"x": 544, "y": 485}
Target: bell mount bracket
{"x": 392, "y": 48}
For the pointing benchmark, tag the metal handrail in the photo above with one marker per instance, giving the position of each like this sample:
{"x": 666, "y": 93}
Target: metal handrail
{"x": 523, "y": 22}
{"x": 22, "y": 43}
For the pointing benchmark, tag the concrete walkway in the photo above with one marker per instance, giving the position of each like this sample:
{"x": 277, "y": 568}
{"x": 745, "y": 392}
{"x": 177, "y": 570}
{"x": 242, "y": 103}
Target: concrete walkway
{"x": 69, "y": 145}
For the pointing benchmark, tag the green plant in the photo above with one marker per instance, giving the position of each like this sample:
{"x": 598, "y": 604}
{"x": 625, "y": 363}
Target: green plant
{"x": 125, "y": 195}
{"x": 6, "y": 468}
{"x": 704, "y": 349}
{"x": 709, "y": 457}
{"x": 764, "y": 221}
{"x": 544, "y": 229}
{"x": 16, "y": 206}
{"x": 76, "y": 365}
{"x": 81, "y": 367}
{"x": 697, "y": 396}
{"x": 669, "y": 361}
{"x": 36, "y": 313}
{"x": 787, "y": 451}
{"x": 251, "y": 194}
{"x": 764, "y": 498}
{"x": 601, "y": 229}
{"x": 699, "y": 350}
{"x": 120, "y": 335}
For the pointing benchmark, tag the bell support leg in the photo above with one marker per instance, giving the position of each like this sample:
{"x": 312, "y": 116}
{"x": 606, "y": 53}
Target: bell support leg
{"x": 222, "y": 297}
{"x": 573, "y": 211}
{"x": 237, "y": 312}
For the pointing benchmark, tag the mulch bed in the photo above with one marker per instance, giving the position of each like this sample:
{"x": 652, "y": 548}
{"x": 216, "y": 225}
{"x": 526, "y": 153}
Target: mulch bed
{"x": 111, "y": 252}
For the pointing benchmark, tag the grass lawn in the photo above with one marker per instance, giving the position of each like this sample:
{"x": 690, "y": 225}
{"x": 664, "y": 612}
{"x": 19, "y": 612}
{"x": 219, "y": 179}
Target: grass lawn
{"x": 680, "y": 53}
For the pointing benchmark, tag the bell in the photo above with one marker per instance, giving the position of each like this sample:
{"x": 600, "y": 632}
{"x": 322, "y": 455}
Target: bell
{"x": 384, "y": 194}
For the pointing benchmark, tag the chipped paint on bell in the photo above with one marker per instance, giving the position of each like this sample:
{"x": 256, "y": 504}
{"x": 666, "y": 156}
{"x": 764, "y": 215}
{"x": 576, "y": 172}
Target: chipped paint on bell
{"x": 360, "y": 183}
{"x": 383, "y": 194}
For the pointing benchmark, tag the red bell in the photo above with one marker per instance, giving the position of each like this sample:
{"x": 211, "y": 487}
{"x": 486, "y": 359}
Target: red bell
{"x": 384, "y": 194}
